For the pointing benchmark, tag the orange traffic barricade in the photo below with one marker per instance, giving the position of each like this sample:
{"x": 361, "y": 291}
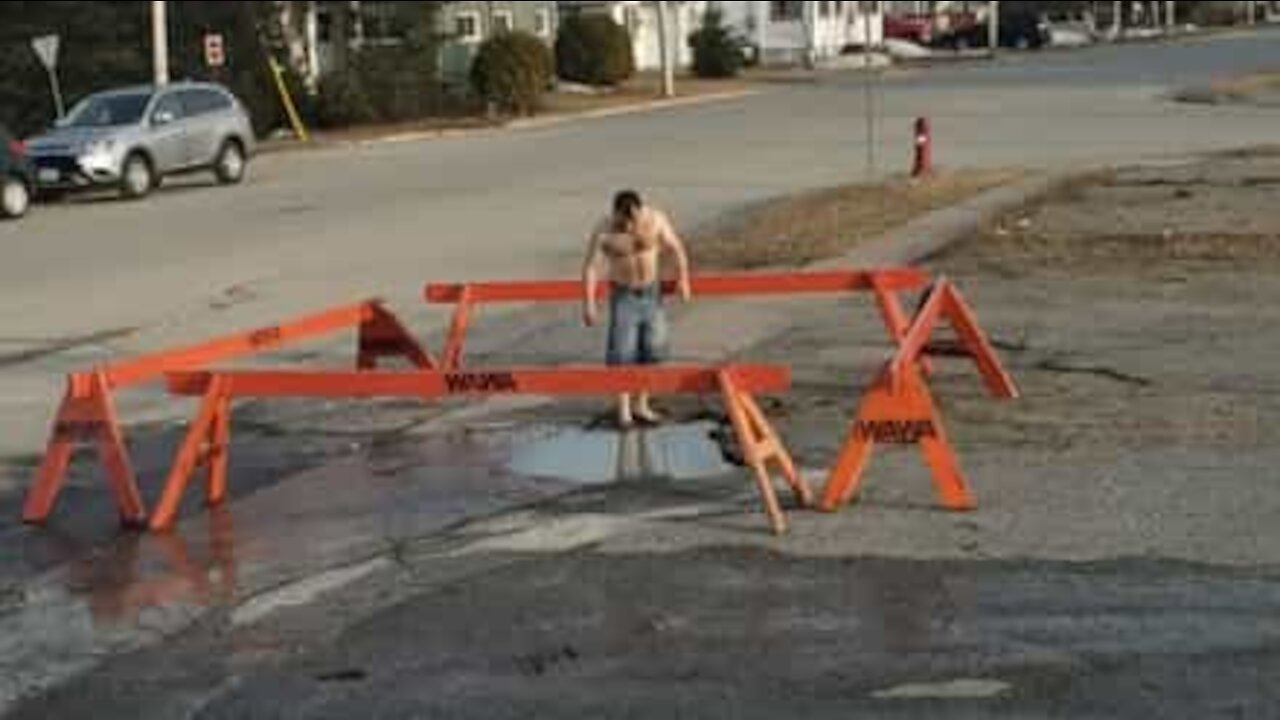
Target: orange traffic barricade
{"x": 884, "y": 283}
{"x": 87, "y": 412}
{"x": 898, "y": 408}
{"x": 207, "y": 440}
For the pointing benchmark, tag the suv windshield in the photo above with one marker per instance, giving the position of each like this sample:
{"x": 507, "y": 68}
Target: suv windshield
{"x": 109, "y": 110}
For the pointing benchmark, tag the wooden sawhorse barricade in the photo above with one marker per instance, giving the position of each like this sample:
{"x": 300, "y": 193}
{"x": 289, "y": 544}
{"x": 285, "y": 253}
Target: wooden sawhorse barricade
{"x": 87, "y": 413}
{"x": 898, "y": 408}
{"x": 884, "y": 283}
{"x": 207, "y": 440}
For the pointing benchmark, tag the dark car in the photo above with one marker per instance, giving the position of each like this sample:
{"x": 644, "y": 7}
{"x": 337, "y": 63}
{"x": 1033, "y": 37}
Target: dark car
{"x": 1022, "y": 30}
{"x": 17, "y": 178}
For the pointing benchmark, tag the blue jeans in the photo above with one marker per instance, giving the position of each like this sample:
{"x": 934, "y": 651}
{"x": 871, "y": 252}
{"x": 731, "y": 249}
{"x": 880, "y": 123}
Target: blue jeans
{"x": 637, "y": 326}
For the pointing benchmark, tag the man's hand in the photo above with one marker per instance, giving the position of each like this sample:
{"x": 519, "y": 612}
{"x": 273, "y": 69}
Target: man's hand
{"x": 590, "y": 314}
{"x": 686, "y": 293}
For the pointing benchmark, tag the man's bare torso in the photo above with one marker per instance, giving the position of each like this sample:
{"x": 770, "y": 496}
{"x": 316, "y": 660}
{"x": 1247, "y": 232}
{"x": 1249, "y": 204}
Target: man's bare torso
{"x": 633, "y": 257}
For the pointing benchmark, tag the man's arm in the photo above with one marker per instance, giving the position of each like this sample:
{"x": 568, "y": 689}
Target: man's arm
{"x": 671, "y": 240}
{"x": 590, "y": 277}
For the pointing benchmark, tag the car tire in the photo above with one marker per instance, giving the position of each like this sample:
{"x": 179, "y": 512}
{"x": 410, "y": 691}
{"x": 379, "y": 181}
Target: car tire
{"x": 138, "y": 178}
{"x": 15, "y": 198}
{"x": 231, "y": 163}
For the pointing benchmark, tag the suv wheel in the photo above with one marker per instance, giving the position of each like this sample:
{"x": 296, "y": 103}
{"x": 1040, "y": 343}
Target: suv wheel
{"x": 230, "y": 165}
{"x": 15, "y": 198}
{"x": 138, "y": 178}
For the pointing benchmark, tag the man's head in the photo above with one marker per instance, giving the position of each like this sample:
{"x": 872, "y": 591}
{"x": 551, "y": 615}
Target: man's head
{"x": 626, "y": 209}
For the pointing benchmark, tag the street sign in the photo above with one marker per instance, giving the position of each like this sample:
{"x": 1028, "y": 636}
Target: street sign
{"x": 46, "y": 48}
{"x": 215, "y": 55}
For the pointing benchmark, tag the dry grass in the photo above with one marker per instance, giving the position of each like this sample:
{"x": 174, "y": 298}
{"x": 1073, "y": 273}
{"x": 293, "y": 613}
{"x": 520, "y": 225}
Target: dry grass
{"x": 1250, "y": 86}
{"x": 798, "y": 230}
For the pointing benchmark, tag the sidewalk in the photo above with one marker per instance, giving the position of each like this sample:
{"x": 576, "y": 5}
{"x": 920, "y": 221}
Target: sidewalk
{"x": 638, "y": 96}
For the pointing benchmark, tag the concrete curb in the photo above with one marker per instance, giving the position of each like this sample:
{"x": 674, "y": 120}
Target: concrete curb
{"x": 276, "y": 147}
{"x": 554, "y": 120}
{"x": 931, "y": 233}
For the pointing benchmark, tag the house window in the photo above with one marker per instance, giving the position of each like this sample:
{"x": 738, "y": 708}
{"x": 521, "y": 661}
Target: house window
{"x": 466, "y": 26}
{"x": 785, "y": 11}
{"x": 324, "y": 25}
{"x": 383, "y": 22}
{"x": 503, "y": 22}
{"x": 542, "y": 22}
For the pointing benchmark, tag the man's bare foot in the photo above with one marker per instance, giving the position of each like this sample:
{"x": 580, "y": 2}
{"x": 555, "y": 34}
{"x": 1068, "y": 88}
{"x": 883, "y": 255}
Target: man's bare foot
{"x": 648, "y": 416}
{"x": 626, "y": 422}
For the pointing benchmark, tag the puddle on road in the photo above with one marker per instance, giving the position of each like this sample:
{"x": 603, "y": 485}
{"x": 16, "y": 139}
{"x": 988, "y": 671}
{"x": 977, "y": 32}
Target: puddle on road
{"x": 600, "y": 457}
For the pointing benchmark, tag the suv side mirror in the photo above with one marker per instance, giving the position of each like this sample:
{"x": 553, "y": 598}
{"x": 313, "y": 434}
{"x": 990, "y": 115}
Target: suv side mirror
{"x": 162, "y": 117}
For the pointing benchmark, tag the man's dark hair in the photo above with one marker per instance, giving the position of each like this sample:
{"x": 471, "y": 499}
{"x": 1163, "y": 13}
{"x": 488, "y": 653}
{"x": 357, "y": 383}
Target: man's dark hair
{"x": 626, "y": 204}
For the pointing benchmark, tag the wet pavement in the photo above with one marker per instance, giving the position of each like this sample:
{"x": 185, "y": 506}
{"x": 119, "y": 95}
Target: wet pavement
{"x": 76, "y": 593}
{"x": 742, "y": 633}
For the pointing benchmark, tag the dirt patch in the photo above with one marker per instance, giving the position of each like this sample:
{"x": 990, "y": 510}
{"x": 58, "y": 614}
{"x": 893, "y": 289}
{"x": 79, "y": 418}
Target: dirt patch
{"x": 1208, "y": 213}
{"x": 798, "y": 230}
{"x": 1255, "y": 89}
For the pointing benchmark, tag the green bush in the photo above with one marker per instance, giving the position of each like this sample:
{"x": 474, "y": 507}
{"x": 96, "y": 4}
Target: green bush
{"x": 380, "y": 84}
{"x": 512, "y": 71}
{"x": 594, "y": 50}
{"x": 717, "y": 52}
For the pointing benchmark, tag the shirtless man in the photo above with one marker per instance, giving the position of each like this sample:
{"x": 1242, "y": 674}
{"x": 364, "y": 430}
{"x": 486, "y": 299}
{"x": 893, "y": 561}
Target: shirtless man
{"x": 630, "y": 243}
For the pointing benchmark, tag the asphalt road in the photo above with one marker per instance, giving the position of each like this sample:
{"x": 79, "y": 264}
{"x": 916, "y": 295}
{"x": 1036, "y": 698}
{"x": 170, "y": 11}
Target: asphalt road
{"x": 312, "y": 229}
{"x": 648, "y": 617}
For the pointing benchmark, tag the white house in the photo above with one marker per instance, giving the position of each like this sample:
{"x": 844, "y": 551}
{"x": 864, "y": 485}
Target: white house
{"x": 783, "y": 32}
{"x": 641, "y": 21}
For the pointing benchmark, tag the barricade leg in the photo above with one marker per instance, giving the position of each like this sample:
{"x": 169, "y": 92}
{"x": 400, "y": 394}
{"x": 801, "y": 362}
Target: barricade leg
{"x": 218, "y": 459}
{"x": 205, "y": 442}
{"x": 383, "y": 335}
{"x": 456, "y": 341}
{"x": 85, "y": 413}
{"x": 760, "y": 444}
{"x": 895, "y": 317}
{"x": 901, "y": 413}
{"x": 965, "y": 322}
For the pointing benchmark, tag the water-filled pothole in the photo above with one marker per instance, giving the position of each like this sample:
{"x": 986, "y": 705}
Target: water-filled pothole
{"x": 599, "y": 457}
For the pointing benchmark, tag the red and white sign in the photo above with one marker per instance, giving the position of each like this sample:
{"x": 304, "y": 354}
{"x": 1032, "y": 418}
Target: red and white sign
{"x": 214, "y": 53}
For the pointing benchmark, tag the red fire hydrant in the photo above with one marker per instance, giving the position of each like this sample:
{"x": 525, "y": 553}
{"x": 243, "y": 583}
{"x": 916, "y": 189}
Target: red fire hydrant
{"x": 924, "y": 149}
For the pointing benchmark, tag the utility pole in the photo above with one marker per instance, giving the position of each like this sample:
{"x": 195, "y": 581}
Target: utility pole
{"x": 159, "y": 42}
{"x": 1171, "y": 14}
{"x": 664, "y": 47}
{"x": 993, "y": 26}
{"x": 1117, "y": 18}
{"x": 869, "y": 94}
{"x": 807, "y": 12}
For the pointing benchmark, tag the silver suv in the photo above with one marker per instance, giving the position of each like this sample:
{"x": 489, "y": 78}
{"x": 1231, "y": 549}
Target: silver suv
{"x": 134, "y": 137}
